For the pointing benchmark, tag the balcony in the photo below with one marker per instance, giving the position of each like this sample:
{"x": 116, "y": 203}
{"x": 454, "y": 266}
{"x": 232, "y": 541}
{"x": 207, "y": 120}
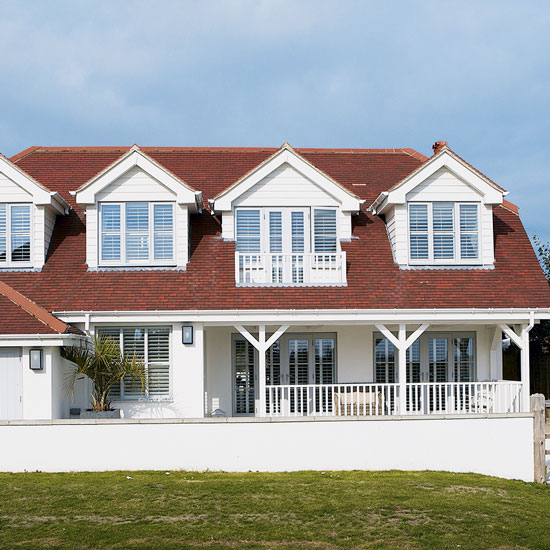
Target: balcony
{"x": 304, "y": 269}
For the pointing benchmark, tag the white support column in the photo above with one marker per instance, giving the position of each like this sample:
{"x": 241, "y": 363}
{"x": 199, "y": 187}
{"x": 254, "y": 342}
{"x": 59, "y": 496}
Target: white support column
{"x": 402, "y": 358}
{"x": 260, "y": 402}
{"x": 525, "y": 370}
{"x": 495, "y": 355}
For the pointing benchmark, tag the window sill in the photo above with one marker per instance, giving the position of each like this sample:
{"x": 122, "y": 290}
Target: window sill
{"x": 138, "y": 268}
{"x": 144, "y": 400}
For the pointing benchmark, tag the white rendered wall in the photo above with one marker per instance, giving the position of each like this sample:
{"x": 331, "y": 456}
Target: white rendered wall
{"x": 186, "y": 382}
{"x": 498, "y": 446}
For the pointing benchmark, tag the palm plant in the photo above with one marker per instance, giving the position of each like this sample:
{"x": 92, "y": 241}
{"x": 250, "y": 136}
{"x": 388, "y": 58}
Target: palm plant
{"x": 104, "y": 364}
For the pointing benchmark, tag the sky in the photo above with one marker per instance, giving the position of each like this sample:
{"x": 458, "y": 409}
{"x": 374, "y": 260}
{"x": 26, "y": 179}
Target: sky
{"x": 317, "y": 73}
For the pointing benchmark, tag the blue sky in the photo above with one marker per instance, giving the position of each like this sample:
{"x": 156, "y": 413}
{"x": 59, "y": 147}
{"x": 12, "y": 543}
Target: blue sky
{"x": 313, "y": 73}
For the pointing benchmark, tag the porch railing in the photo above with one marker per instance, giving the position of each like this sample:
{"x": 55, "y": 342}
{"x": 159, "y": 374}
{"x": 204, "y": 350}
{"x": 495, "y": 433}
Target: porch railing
{"x": 290, "y": 269}
{"x": 358, "y": 399}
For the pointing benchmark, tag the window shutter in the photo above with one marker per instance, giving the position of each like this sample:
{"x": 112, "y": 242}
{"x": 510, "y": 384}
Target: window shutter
{"x": 110, "y": 232}
{"x": 464, "y": 359}
{"x": 418, "y": 231}
{"x": 468, "y": 231}
{"x": 324, "y": 229}
{"x": 133, "y": 342}
{"x": 384, "y": 361}
{"x": 137, "y": 231}
{"x": 443, "y": 231}
{"x": 3, "y": 233}
{"x": 158, "y": 356}
{"x": 163, "y": 231}
{"x": 275, "y": 232}
{"x": 20, "y": 233}
{"x": 438, "y": 359}
{"x": 324, "y": 360}
{"x": 248, "y": 231}
{"x": 298, "y": 232}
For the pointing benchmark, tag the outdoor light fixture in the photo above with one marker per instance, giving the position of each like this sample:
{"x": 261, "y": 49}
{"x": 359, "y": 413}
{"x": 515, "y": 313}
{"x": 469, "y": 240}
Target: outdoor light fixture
{"x": 187, "y": 334}
{"x": 36, "y": 359}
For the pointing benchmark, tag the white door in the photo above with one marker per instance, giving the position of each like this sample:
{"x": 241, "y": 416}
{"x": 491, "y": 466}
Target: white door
{"x": 10, "y": 384}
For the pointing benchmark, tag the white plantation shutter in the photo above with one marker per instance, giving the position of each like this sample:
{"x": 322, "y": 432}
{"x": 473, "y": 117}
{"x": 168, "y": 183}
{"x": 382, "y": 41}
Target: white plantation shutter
{"x": 438, "y": 359}
{"x": 3, "y": 233}
{"x": 248, "y": 231}
{"x": 244, "y": 377}
{"x": 20, "y": 233}
{"x": 418, "y": 231}
{"x": 275, "y": 232}
{"x": 298, "y": 232}
{"x": 324, "y": 360}
{"x": 413, "y": 362}
{"x": 324, "y": 230}
{"x": 468, "y": 231}
{"x": 158, "y": 361}
{"x": 463, "y": 359}
{"x": 163, "y": 231}
{"x": 152, "y": 345}
{"x": 384, "y": 357}
{"x": 443, "y": 230}
{"x": 137, "y": 231}
{"x": 110, "y": 232}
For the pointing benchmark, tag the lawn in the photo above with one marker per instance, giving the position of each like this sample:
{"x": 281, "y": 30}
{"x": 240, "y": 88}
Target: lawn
{"x": 306, "y": 510}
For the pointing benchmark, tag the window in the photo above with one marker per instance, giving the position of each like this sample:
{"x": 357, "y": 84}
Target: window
{"x": 248, "y": 231}
{"x": 324, "y": 230}
{"x": 15, "y": 234}
{"x": 152, "y": 345}
{"x": 137, "y": 233}
{"x": 443, "y": 232}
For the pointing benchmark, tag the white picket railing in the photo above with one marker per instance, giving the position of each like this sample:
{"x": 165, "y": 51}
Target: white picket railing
{"x": 360, "y": 399}
{"x": 290, "y": 269}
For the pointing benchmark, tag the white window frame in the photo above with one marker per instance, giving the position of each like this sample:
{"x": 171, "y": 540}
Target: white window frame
{"x": 309, "y": 213}
{"x": 146, "y": 397}
{"x": 456, "y": 260}
{"x": 9, "y": 263}
{"x": 168, "y": 262}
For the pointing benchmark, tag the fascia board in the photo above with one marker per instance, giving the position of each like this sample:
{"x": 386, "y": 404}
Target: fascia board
{"x": 348, "y": 202}
{"x": 30, "y": 340}
{"x": 41, "y": 195}
{"x": 87, "y": 193}
{"x": 490, "y": 194}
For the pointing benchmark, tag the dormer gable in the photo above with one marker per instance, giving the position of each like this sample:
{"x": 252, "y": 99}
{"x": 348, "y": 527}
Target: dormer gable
{"x": 137, "y": 160}
{"x": 441, "y": 213}
{"x": 27, "y": 216}
{"x": 287, "y": 159}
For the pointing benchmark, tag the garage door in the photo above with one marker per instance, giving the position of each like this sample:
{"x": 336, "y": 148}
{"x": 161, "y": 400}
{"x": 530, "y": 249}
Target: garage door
{"x": 10, "y": 384}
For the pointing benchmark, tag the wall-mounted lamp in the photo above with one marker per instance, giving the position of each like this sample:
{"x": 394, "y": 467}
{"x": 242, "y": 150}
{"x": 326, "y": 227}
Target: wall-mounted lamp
{"x": 187, "y": 334}
{"x": 36, "y": 359}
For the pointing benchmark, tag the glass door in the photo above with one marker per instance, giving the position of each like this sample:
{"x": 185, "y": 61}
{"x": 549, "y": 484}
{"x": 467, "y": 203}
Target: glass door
{"x": 244, "y": 376}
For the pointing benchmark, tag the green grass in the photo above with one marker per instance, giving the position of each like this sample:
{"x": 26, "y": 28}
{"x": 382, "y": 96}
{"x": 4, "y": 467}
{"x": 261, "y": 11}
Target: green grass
{"x": 305, "y": 510}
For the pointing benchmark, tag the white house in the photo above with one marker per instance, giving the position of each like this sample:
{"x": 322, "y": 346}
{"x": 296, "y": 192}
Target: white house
{"x": 268, "y": 285}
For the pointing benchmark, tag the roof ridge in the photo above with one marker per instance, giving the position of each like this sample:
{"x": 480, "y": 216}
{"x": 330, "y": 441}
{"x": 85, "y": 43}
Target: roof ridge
{"x": 24, "y": 153}
{"x": 33, "y": 308}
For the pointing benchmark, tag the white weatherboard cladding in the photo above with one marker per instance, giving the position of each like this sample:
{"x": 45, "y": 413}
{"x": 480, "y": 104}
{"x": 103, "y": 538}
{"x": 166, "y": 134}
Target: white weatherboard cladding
{"x": 11, "y": 192}
{"x": 497, "y": 446}
{"x": 49, "y": 223}
{"x": 442, "y": 186}
{"x": 285, "y": 186}
{"x": 135, "y": 185}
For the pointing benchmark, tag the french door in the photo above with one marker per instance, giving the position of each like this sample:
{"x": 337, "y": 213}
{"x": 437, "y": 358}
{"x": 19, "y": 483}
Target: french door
{"x": 288, "y": 239}
{"x": 295, "y": 361}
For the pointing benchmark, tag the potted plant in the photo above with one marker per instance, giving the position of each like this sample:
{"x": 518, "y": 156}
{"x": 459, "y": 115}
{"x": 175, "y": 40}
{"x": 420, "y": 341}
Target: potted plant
{"x": 104, "y": 364}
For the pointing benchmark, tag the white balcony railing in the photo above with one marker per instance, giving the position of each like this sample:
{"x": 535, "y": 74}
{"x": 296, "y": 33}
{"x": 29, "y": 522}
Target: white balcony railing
{"x": 290, "y": 269}
{"x": 359, "y": 399}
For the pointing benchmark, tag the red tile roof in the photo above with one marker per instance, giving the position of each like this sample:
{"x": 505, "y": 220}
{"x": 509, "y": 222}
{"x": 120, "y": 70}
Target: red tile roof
{"x": 22, "y": 316}
{"x": 374, "y": 280}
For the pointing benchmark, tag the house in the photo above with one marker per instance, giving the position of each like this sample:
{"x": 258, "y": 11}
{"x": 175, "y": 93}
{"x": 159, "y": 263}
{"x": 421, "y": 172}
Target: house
{"x": 262, "y": 285}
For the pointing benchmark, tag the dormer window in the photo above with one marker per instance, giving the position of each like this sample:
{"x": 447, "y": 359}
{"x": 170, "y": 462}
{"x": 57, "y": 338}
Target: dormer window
{"x": 137, "y": 233}
{"x": 444, "y": 233}
{"x": 15, "y": 235}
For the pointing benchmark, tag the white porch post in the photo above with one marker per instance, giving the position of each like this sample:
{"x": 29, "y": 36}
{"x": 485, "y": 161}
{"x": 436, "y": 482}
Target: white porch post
{"x": 402, "y": 357}
{"x": 260, "y": 401}
{"x": 495, "y": 355}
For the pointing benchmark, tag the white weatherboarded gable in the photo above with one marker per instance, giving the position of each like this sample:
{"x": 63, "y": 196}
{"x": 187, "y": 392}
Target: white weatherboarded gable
{"x": 123, "y": 170}
{"x": 273, "y": 181}
{"x": 444, "y": 178}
